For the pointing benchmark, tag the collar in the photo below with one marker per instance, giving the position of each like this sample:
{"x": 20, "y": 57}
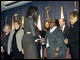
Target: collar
{"x": 51, "y": 30}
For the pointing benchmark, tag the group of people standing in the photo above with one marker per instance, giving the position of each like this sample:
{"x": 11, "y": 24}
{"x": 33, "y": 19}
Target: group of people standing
{"x": 56, "y": 36}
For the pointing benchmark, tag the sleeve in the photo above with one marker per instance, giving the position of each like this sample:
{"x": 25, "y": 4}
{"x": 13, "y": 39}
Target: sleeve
{"x": 67, "y": 32}
{"x": 33, "y": 31}
{"x": 22, "y": 37}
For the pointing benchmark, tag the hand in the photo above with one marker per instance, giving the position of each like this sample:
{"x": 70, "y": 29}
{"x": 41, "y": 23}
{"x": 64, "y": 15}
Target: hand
{"x": 57, "y": 49}
{"x": 42, "y": 40}
{"x": 22, "y": 51}
{"x": 66, "y": 41}
{"x": 8, "y": 52}
{"x": 55, "y": 54}
{"x": 2, "y": 49}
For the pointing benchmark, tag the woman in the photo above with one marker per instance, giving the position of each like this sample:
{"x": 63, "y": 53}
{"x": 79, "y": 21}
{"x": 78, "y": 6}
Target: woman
{"x": 54, "y": 39}
{"x": 43, "y": 33}
{"x": 46, "y": 28}
{"x": 15, "y": 40}
{"x": 4, "y": 41}
{"x": 28, "y": 42}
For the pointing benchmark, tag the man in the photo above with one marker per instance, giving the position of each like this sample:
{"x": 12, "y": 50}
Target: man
{"x": 54, "y": 39}
{"x": 73, "y": 36}
{"x": 63, "y": 26}
{"x": 65, "y": 29}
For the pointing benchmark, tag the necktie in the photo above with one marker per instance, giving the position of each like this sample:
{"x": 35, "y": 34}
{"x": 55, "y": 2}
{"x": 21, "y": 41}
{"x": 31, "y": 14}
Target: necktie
{"x": 61, "y": 29}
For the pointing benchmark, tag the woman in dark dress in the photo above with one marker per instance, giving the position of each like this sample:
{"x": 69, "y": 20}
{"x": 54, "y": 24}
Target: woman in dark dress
{"x": 28, "y": 42}
{"x": 4, "y": 42}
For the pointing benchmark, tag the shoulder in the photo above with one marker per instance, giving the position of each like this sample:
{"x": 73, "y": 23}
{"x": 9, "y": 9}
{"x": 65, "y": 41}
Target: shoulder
{"x": 12, "y": 31}
{"x": 76, "y": 24}
{"x": 58, "y": 30}
{"x": 21, "y": 30}
{"x": 31, "y": 20}
{"x": 67, "y": 26}
{"x": 48, "y": 31}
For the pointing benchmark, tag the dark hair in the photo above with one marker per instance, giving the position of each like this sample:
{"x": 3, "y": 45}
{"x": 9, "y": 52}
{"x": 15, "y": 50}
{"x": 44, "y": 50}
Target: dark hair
{"x": 17, "y": 22}
{"x": 75, "y": 14}
{"x": 64, "y": 20}
{"x": 31, "y": 11}
{"x": 55, "y": 21}
{"x": 45, "y": 23}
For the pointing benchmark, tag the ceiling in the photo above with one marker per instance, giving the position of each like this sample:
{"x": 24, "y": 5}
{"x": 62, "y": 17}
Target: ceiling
{"x": 11, "y": 4}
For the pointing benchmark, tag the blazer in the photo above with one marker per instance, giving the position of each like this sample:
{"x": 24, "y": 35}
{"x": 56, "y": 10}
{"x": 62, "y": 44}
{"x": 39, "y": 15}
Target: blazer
{"x": 19, "y": 37}
{"x": 56, "y": 39}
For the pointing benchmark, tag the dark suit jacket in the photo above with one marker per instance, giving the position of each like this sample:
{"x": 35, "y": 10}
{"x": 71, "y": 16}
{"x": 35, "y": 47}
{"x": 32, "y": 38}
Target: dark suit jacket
{"x": 66, "y": 31}
{"x": 73, "y": 37}
{"x": 56, "y": 39}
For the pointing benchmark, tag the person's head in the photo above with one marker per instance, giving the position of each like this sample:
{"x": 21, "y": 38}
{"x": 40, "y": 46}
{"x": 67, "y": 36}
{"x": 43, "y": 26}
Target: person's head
{"x": 32, "y": 11}
{"x": 46, "y": 24}
{"x": 17, "y": 24}
{"x": 53, "y": 23}
{"x": 6, "y": 28}
{"x": 62, "y": 22}
{"x": 74, "y": 16}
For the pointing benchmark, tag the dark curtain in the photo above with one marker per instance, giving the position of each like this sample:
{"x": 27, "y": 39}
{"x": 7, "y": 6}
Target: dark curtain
{"x": 54, "y": 11}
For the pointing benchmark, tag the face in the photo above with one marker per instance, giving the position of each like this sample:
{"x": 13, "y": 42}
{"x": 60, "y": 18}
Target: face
{"x": 52, "y": 25}
{"x": 61, "y": 22}
{"x": 6, "y": 29}
{"x": 16, "y": 25}
{"x": 47, "y": 24}
{"x": 72, "y": 19}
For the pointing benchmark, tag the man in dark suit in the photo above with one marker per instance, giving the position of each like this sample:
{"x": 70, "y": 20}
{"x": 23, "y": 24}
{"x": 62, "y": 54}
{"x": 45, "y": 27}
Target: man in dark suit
{"x": 65, "y": 29}
{"x": 73, "y": 36}
{"x": 63, "y": 26}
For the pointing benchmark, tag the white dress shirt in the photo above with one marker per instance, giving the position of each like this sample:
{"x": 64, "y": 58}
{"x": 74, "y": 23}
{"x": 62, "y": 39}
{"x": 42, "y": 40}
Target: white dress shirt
{"x": 63, "y": 28}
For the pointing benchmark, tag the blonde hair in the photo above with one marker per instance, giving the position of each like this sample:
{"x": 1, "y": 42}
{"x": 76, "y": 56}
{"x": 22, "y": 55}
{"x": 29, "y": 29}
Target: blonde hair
{"x": 7, "y": 26}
